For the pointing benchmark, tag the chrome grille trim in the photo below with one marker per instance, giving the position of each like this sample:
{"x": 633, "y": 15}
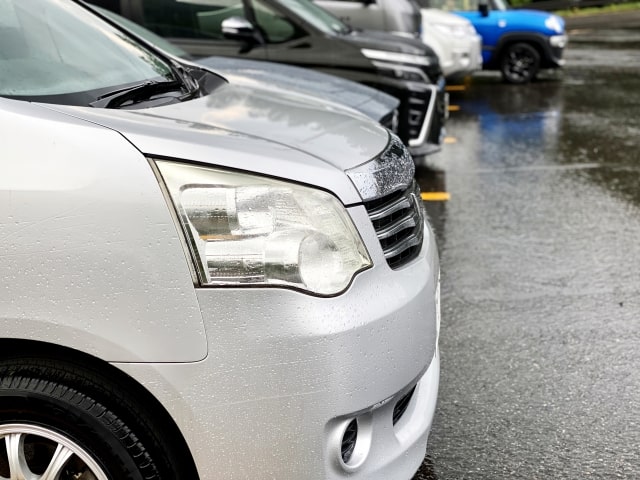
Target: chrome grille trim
{"x": 422, "y": 115}
{"x": 408, "y": 221}
{"x": 392, "y": 171}
{"x": 398, "y": 220}
{"x": 389, "y": 209}
{"x": 413, "y": 240}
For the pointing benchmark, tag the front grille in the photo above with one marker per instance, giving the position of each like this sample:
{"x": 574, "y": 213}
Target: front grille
{"x": 398, "y": 220}
{"x": 402, "y": 405}
{"x": 417, "y": 108}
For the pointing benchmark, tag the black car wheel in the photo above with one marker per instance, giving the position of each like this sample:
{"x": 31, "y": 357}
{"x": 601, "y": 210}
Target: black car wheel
{"x": 55, "y": 431}
{"x": 520, "y": 63}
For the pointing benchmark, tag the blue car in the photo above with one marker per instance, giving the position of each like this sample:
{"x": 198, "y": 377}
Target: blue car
{"x": 518, "y": 43}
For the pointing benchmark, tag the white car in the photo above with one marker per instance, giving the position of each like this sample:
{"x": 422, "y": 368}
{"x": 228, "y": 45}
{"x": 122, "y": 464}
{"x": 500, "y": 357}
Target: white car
{"x": 455, "y": 41}
{"x": 201, "y": 280}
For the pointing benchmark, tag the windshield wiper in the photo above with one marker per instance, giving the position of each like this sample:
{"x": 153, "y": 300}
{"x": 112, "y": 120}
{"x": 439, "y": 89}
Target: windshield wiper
{"x": 182, "y": 73}
{"x": 138, "y": 92}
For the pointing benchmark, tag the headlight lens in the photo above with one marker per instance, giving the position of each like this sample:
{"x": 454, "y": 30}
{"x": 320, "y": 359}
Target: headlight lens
{"x": 403, "y": 72}
{"x": 453, "y": 30}
{"x": 397, "y": 57}
{"x": 554, "y": 23}
{"x": 250, "y": 230}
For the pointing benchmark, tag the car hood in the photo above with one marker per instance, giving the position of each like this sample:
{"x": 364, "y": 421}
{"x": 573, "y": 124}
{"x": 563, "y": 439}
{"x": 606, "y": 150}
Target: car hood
{"x": 389, "y": 42}
{"x": 435, "y": 15}
{"x": 523, "y": 18}
{"x": 517, "y": 20}
{"x": 286, "y": 78}
{"x": 260, "y": 130}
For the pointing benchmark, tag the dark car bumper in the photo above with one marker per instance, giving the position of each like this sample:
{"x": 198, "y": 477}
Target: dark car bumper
{"x": 422, "y": 114}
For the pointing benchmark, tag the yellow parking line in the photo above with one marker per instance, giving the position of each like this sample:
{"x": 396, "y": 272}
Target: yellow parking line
{"x": 450, "y": 140}
{"x": 454, "y": 108}
{"x": 435, "y": 196}
{"x": 455, "y": 88}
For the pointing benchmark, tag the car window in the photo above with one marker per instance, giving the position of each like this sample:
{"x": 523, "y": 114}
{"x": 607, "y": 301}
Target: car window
{"x": 49, "y": 48}
{"x": 190, "y": 18}
{"x": 275, "y": 27}
{"x": 449, "y": 5}
{"x": 316, "y": 16}
{"x": 463, "y": 5}
{"x": 142, "y": 32}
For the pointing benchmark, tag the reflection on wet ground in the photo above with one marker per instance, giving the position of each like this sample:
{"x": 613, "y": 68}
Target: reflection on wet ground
{"x": 539, "y": 256}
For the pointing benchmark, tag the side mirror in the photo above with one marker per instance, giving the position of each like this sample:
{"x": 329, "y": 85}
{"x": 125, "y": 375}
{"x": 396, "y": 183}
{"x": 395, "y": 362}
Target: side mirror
{"x": 483, "y": 8}
{"x": 238, "y": 28}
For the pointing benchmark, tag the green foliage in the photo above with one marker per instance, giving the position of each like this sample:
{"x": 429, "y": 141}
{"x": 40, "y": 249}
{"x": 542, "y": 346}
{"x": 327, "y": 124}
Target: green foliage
{"x": 615, "y": 7}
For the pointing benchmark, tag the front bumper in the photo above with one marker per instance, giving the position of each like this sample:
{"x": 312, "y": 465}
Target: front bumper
{"x": 459, "y": 55}
{"x": 557, "y": 44}
{"x": 427, "y": 115}
{"x": 423, "y": 105}
{"x": 286, "y": 370}
{"x": 422, "y": 113}
{"x": 466, "y": 57}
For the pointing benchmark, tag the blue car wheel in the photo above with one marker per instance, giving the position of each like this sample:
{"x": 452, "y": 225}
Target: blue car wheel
{"x": 519, "y": 63}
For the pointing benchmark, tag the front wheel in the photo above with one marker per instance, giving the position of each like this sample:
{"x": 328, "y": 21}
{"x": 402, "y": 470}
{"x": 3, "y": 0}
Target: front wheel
{"x": 519, "y": 63}
{"x": 37, "y": 452}
{"x": 51, "y": 428}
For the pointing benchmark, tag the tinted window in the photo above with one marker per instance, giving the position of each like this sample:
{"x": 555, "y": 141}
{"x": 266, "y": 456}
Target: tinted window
{"x": 275, "y": 27}
{"x": 190, "y": 18}
{"x": 465, "y": 5}
{"x": 316, "y": 16}
{"x": 143, "y": 33}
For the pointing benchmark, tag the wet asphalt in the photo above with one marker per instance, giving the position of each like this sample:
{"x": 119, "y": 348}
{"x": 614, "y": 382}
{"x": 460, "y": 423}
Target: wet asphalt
{"x": 540, "y": 264}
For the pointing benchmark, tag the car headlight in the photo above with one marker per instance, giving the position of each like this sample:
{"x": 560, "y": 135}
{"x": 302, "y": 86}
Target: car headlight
{"x": 453, "y": 30}
{"x": 396, "y": 57}
{"x": 402, "y": 72}
{"x": 250, "y": 230}
{"x": 553, "y": 22}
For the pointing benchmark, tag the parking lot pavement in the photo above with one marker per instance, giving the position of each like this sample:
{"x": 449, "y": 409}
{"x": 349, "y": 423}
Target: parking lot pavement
{"x": 608, "y": 21}
{"x": 540, "y": 278}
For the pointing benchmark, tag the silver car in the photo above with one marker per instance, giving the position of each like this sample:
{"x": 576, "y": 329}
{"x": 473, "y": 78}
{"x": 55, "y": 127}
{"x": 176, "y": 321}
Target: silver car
{"x": 201, "y": 280}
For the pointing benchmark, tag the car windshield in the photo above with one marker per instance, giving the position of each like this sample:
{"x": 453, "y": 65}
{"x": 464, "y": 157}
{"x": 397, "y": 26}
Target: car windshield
{"x": 58, "y": 52}
{"x": 463, "y": 5}
{"x": 316, "y": 16}
{"x": 499, "y": 5}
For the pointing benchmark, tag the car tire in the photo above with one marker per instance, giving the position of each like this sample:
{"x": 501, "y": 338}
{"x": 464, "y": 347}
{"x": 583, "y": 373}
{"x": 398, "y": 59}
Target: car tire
{"x": 519, "y": 63}
{"x": 53, "y": 430}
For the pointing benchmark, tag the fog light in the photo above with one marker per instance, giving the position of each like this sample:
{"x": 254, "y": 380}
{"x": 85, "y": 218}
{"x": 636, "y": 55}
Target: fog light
{"x": 558, "y": 41}
{"x": 352, "y": 441}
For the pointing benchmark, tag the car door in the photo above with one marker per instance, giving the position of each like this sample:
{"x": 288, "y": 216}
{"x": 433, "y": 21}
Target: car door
{"x": 196, "y": 25}
{"x": 365, "y": 14}
{"x": 294, "y": 34}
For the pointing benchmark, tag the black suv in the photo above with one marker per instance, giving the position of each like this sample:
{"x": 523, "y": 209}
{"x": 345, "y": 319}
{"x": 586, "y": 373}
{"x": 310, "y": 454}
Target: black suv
{"x": 298, "y": 32}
